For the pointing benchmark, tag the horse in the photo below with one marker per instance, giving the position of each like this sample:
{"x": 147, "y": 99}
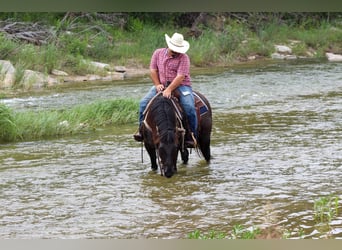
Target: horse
{"x": 164, "y": 130}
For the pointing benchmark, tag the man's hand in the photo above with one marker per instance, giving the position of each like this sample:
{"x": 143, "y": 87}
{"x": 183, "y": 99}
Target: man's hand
{"x": 167, "y": 93}
{"x": 160, "y": 87}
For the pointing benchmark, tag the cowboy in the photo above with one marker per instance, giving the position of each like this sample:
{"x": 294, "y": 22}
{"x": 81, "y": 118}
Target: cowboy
{"x": 170, "y": 71}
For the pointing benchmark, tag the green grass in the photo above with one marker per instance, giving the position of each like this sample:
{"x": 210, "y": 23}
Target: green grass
{"x": 53, "y": 123}
{"x": 8, "y": 129}
{"x": 237, "y": 232}
{"x": 325, "y": 209}
{"x": 134, "y": 45}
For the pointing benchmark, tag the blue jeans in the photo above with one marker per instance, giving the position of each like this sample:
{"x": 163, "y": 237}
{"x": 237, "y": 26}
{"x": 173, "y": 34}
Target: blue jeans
{"x": 186, "y": 99}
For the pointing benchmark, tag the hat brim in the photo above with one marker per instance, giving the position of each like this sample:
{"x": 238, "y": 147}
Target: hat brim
{"x": 179, "y": 49}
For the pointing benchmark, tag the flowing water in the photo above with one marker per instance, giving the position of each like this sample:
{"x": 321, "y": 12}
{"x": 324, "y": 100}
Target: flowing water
{"x": 276, "y": 146}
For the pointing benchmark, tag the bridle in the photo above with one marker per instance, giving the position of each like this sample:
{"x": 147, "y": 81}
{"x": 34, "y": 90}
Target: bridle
{"x": 179, "y": 129}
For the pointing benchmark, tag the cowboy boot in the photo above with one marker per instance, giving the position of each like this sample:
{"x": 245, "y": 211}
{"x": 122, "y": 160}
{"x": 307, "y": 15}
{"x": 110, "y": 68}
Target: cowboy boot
{"x": 138, "y": 135}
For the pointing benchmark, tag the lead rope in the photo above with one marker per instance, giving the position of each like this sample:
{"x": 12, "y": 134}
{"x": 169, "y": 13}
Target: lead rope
{"x": 142, "y": 152}
{"x": 180, "y": 128}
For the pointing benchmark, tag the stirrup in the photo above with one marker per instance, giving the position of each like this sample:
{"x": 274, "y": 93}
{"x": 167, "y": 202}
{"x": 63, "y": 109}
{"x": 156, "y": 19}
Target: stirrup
{"x": 192, "y": 143}
{"x": 138, "y": 136}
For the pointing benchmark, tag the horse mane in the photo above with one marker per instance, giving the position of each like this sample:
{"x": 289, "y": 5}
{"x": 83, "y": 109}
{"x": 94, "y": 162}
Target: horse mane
{"x": 164, "y": 118}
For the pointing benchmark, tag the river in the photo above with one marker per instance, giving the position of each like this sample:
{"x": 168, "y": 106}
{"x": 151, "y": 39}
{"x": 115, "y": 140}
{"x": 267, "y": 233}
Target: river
{"x": 276, "y": 146}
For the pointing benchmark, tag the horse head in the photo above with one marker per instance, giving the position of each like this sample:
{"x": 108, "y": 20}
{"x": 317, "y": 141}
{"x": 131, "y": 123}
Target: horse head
{"x": 162, "y": 145}
{"x": 167, "y": 153}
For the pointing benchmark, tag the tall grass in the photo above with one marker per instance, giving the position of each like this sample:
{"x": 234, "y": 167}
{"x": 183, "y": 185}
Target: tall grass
{"x": 321, "y": 38}
{"x": 8, "y": 129}
{"x": 135, "y": 44}
{"x": 51, "y": 123}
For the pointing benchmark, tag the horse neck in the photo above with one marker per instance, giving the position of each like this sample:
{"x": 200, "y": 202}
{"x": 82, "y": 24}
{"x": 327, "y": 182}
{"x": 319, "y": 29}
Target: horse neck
{"x": 164, "y": 119}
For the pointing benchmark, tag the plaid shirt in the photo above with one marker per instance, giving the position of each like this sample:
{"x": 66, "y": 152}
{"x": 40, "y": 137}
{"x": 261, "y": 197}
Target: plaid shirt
{"x": 169, "y": 67}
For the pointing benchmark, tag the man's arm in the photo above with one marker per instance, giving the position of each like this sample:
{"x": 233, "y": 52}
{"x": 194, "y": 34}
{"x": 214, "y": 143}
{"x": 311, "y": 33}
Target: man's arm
{"x": 155, "y": 79}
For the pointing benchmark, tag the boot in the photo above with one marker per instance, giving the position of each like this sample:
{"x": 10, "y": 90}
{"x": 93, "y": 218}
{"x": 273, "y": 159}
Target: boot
{"x": 138, "y": 135}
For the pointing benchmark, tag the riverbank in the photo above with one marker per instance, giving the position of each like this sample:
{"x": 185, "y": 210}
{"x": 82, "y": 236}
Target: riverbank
{"x": 33, "y": 80}
{"x": 86, "y": 47}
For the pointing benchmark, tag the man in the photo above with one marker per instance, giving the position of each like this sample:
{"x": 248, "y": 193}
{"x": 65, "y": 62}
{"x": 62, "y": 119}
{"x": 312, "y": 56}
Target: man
{"x": 170, "y": 71}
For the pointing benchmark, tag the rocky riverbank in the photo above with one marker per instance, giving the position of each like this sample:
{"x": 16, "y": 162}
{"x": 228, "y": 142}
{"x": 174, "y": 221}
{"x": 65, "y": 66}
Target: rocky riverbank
{"x": 31, "y": 80}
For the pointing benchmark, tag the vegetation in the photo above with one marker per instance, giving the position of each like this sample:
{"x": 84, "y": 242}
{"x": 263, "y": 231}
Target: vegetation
{"x": 325, "y": 209}
{"x": 7, "y": 124}
{"x": 238, "y": 232}
{"x": 64, "y": 40}
{"x": 51, "y": 123}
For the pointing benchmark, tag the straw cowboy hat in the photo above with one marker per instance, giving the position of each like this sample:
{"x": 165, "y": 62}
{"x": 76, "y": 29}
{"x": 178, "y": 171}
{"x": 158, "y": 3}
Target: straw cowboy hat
{"x": 177, "y": 43}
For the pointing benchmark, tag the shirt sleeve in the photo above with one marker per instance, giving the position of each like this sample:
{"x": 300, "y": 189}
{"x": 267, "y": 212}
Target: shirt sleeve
{"x": 154, "y": 60}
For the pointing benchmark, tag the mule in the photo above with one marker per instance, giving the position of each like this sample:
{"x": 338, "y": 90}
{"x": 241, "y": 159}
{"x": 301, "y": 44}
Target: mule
{"x": 163, "y": 131}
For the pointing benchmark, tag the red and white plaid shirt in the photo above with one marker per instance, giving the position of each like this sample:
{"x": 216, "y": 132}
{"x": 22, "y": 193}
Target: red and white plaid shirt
{"x": 169, "y": 67}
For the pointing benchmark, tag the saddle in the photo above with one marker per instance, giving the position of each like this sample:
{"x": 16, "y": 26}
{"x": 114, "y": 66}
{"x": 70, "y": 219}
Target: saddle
{"x": 200, "y": 106}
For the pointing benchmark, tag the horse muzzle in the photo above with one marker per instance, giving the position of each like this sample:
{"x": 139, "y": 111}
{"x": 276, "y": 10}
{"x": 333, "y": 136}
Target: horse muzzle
{"x": 168, "y": 171}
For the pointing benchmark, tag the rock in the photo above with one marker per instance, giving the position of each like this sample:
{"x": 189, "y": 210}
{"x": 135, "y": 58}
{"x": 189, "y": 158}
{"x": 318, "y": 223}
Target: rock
{"x": 100, "y": 65}
{"x": 7, "y": 74}
{"x": 58, "y": 72}
{"x": 283, "y": 57}
{"x": 33, "y": 79}
{"x": 333, "y": 57}
{"x": 277, "y": 56}
{"x": 283, "y": 49}
{"x": 290, "y": 57}
{"x": 114, "y": 76}
{"x": 120, "y": 69}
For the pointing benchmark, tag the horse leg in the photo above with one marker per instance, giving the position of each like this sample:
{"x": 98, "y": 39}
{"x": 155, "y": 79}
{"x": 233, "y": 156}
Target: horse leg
{"x": 152, "y": 153}
{"x": 204, "y": 144}
{"x": 185, "y": 155}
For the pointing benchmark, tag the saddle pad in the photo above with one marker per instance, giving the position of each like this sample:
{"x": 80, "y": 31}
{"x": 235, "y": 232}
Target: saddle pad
{"x": 200, "y": 104}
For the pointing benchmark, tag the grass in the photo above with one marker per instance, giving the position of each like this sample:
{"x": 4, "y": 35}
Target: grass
{"x": 324, "y": 210}
{"x": 8, "y": 128}
{"x": 135, "y": 44}
{"x": 28, "y": 125}
{"x": 238, "y": 232}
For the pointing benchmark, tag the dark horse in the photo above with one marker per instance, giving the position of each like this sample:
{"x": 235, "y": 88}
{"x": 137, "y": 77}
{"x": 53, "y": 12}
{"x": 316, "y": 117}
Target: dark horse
{"x": 163, "y": 132}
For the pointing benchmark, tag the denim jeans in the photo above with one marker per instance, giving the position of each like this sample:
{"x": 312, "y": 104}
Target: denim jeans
{"x": 186, "y": 100}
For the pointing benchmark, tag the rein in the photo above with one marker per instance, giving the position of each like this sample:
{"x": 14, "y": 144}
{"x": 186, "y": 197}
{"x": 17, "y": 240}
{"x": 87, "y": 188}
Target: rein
{"x": 162, "y": 171}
